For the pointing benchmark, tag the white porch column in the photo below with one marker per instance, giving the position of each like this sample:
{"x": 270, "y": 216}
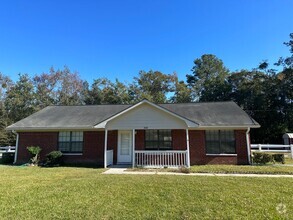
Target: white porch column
{"x": 105, "y": 150}
{"x": 133, "y": 147}
{"x": 187, "y": 146}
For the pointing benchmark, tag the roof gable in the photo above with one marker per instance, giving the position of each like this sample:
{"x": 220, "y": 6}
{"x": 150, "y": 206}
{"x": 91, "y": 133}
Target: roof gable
{"x": 146, "y": 115}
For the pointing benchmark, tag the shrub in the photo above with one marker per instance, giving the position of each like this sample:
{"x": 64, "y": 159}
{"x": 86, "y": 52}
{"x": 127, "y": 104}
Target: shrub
{"x": 267, "y": 158}
{"x": 53, "y": 158}
{"x": 279, "y": 158}
{"x": 35, "y": 152}
{"x": 7, "y": 158}
{"x": 262, "y": 158}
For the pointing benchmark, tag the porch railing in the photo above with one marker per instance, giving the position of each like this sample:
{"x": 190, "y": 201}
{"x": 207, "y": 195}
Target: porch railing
{"x": 157, "y": 159}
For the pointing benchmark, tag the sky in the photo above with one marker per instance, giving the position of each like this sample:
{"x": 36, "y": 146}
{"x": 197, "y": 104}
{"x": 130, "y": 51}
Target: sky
{"x": 117, "y": 39}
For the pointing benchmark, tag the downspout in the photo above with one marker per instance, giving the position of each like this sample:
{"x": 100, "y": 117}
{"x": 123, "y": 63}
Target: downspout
{"x": 16, "y": 146}
{"x": 248, "y": 146}
{"x": 105, "y": 147}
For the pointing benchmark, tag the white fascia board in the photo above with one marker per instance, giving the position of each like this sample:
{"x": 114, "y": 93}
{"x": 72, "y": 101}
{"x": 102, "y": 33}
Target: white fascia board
{"x": 226, "y": 127}
{"x": 44, "y": 129}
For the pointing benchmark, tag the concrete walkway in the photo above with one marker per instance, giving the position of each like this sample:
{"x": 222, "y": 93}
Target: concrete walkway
{"x": 124, "y": 171}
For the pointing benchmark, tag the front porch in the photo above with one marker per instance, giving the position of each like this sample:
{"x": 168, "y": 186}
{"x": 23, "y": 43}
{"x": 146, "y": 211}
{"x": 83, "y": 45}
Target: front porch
{"x": 148, "y": 135}
{"x": 133, "y": 149}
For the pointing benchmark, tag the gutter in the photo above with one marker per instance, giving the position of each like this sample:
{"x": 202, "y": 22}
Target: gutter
{"x": 16, "y": 146}
{"x": 248, "y": 146}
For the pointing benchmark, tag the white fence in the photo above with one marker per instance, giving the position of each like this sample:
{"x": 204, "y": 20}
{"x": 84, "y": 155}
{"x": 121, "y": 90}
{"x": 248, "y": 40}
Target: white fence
{"x": 7, "y": 149}
{"x": 109, "y": 157}
{"x": 157, "y": 159}
{"x": 273, "y": 148}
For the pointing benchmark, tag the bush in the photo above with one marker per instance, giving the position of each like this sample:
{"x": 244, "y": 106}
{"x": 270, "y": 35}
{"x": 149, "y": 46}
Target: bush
{"x": 53, "y": 158}
{"x": 35, "y": 152}
{"x": 7, "y": 158}
{"x": 262, "y": 158}
{"x": 279, "y": 158}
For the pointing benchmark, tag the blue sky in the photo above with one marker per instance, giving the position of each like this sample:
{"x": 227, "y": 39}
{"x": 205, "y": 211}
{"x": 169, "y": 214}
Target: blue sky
{"x": 117, "y": 39}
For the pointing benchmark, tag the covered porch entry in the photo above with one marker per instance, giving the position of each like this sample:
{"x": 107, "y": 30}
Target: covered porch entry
{"x": 148, "y": 136}
{"x": 153, "y": 148}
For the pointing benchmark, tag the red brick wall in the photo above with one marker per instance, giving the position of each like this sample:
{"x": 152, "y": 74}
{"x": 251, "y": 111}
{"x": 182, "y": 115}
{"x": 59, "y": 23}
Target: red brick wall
{"x": 179, "y": 139}
{"x": 93, "y": 148}
{"x": 197, "y": 147}
{"x": 112, "y": 143}
{"x": 46, "y": 140}
{"x": 198, "y": 151}
{"x": 139, "y": 140}
{"x": 241, "y": 147}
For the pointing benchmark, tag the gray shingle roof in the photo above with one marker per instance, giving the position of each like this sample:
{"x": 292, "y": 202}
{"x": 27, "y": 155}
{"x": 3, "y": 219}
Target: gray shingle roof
{"x": 204, "y": 114}
{"x": 213, "y": 113}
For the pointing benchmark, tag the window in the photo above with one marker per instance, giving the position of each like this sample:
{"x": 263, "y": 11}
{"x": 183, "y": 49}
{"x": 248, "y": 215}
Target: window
{"x": 220, "y": 142}
{"x": 70, "y": 141}
{"x": 158, "y": 140}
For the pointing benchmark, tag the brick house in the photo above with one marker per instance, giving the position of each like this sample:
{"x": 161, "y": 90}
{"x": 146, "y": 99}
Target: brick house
{"x": 144, "y": 134}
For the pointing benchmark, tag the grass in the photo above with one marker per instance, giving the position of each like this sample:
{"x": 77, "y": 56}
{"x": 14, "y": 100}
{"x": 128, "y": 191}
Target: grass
{"x": 259, "y": 169}
{"x": 288, "y": 160}
{"x": 83, "y": 193}
{"x": 253, "y": 169}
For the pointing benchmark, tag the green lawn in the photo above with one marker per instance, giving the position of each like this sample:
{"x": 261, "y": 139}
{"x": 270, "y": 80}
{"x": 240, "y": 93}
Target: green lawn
{"x": 84, "y": 193}
{"x": 259, "y": 169}
{"x": 288, "y": 160}
{"x": 247, "y": 169}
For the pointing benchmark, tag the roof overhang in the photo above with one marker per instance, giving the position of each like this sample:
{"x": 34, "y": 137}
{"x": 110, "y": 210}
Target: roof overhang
{"x": 43, "y": 129}
{"x": 229, "y": 126}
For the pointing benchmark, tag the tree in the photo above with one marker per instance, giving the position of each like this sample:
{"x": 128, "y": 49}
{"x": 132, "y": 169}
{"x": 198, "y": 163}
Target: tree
{"x": 286, "y": 84}
{"x": 61, "y": 87}
{"x": 6, "y": 138}
{"x": 70, "y": 87}
{"x": 287, "y": 62}
{"x": 257, "y": 93}
{"x": 46, "y": 85}
{"x": 20, "y": 101}
{"x": 153, "y": 86}
{"x": 182, "y": 94}
{"x": 103, "y": 91}
{"x": 5, "y": 84}
{"x": 209, "y": 79}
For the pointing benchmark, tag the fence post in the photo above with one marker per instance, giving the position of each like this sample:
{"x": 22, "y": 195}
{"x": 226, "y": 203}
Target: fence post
{"x": 259, "y": 147}
{"x": 291, "y": 147}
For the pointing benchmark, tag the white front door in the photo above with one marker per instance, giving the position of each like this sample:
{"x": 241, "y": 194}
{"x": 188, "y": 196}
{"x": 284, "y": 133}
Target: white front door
{"x": 124, "y": 147}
